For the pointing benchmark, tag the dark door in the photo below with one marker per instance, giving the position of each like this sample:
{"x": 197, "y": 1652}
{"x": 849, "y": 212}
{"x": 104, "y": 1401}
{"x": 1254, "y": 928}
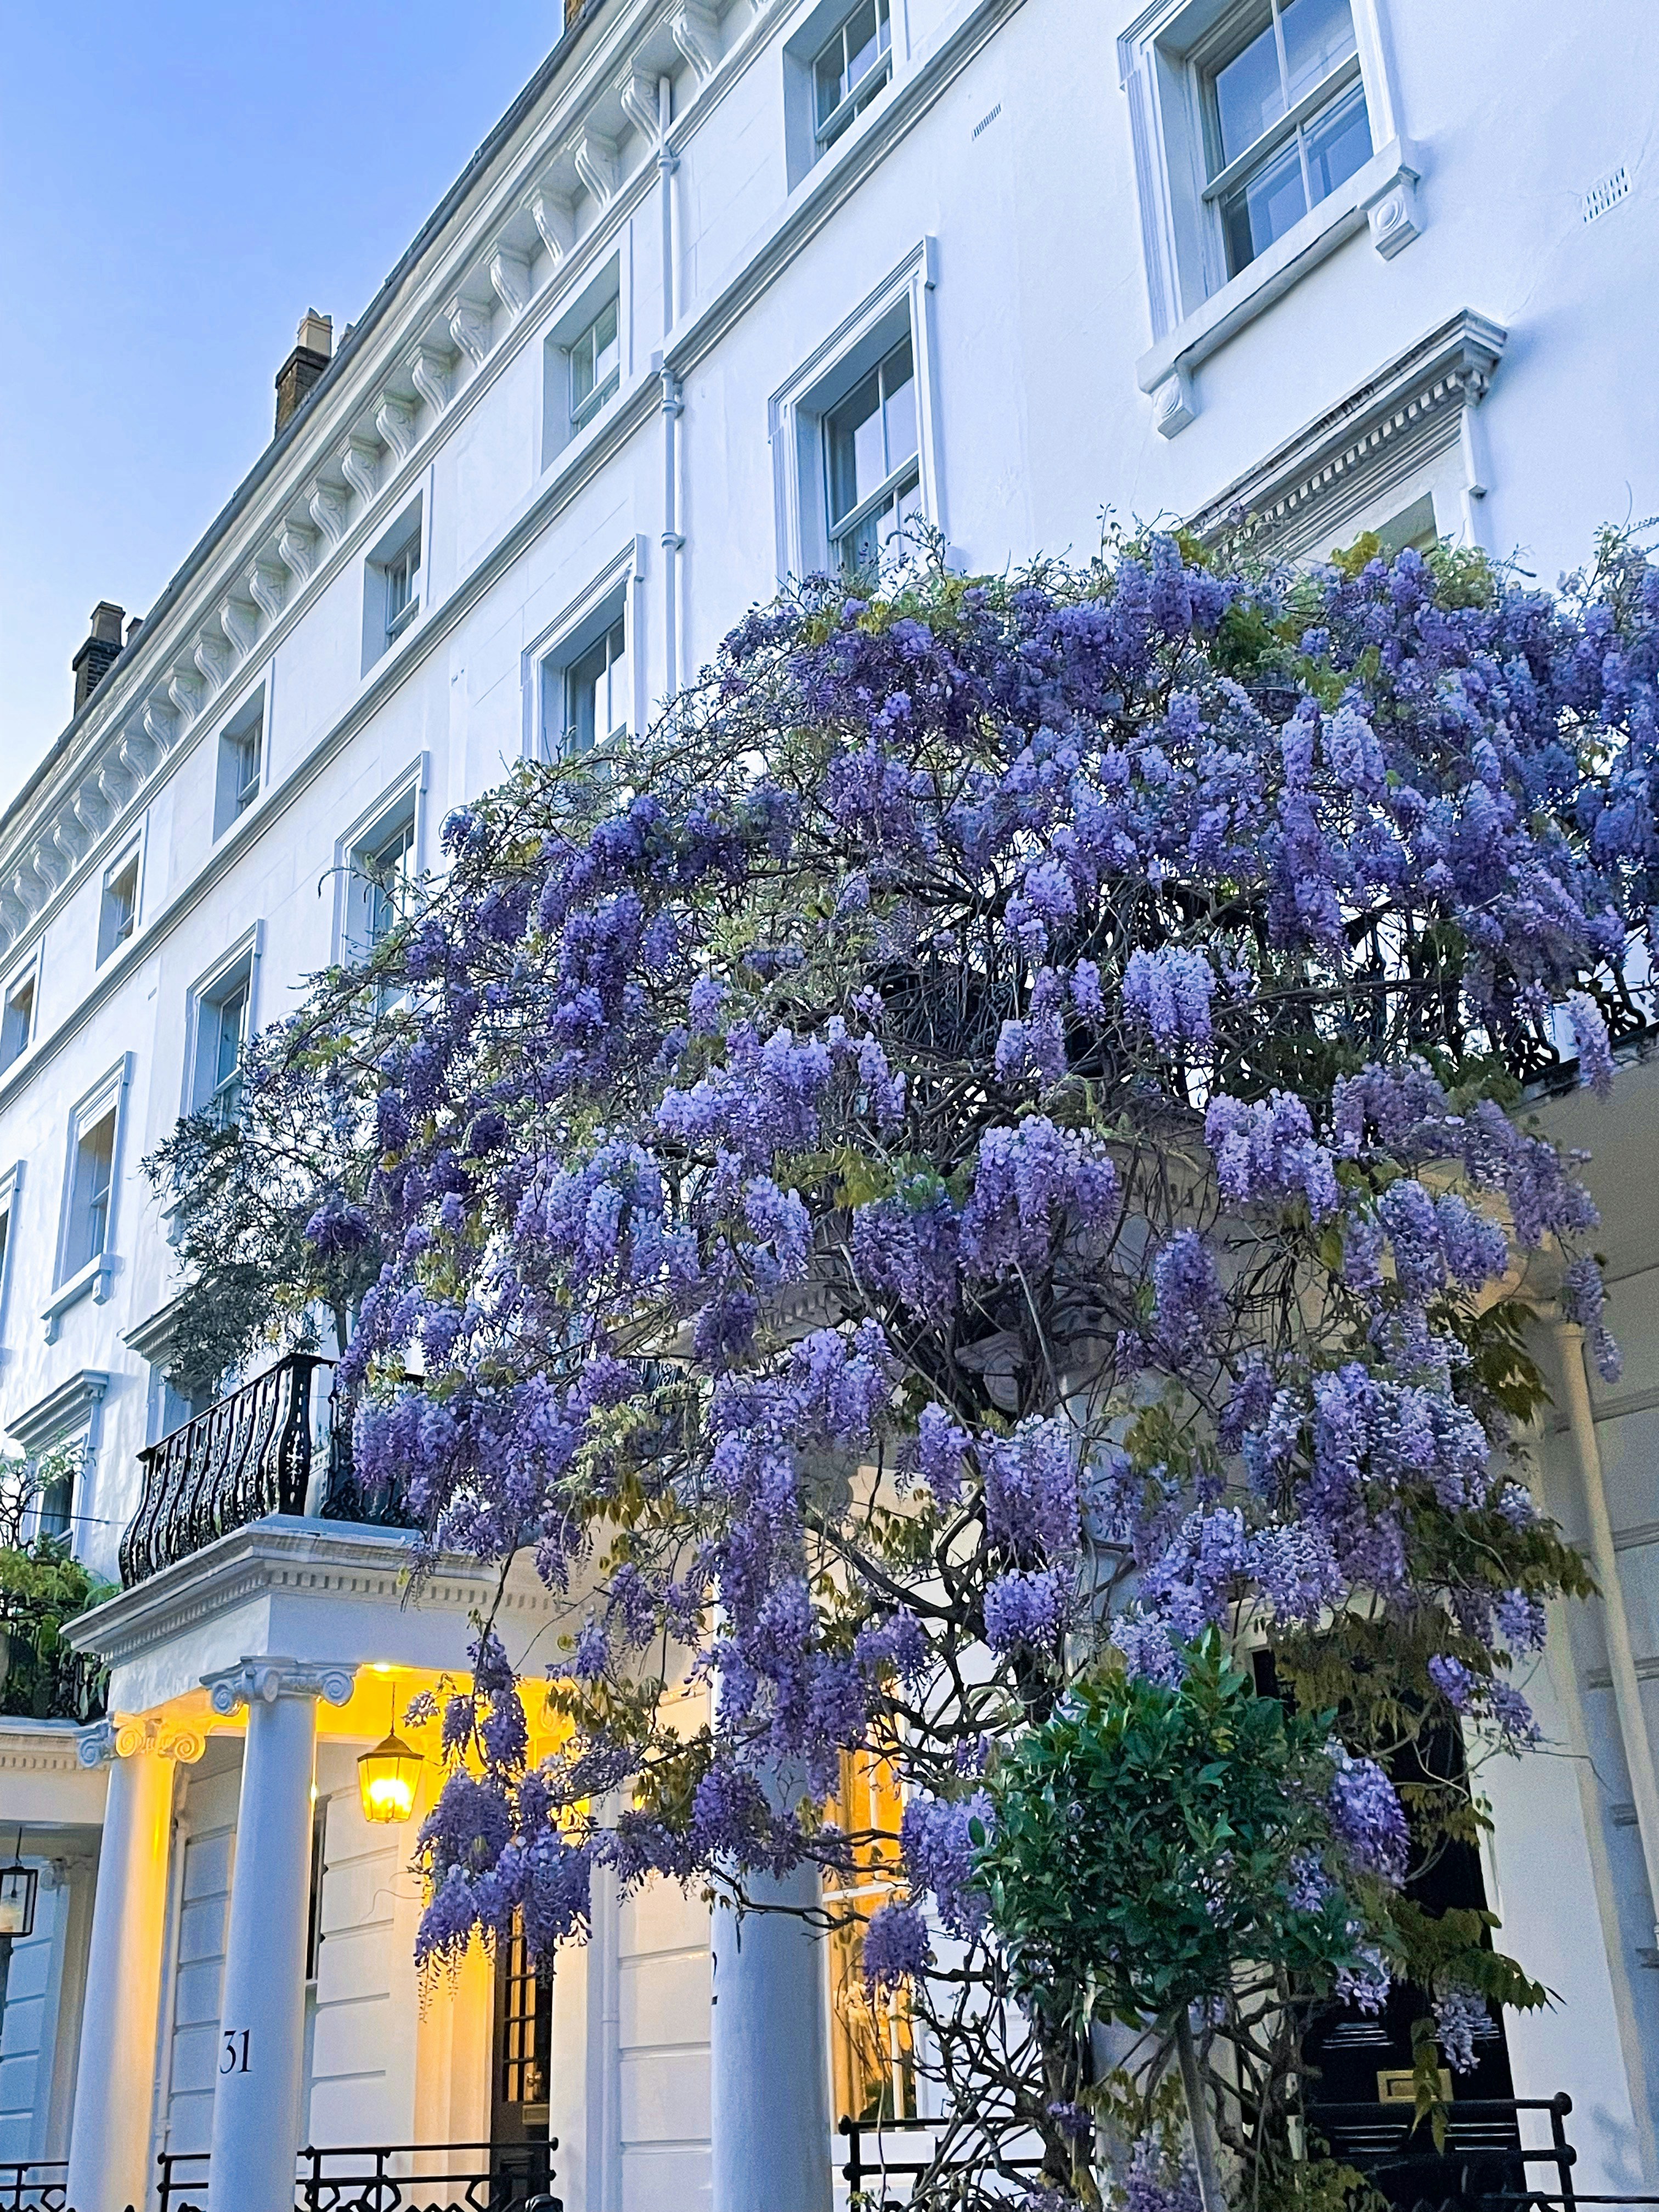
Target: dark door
{"x": 522, "y": 2059}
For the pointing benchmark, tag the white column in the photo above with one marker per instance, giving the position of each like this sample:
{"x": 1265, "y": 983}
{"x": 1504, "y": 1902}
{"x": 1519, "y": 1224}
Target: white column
{"x": 769, "y": 2061}
{"x": 1604, "y": 1557}
{"x": 261, "y": 2057}
{"x": 115, "y": 2075}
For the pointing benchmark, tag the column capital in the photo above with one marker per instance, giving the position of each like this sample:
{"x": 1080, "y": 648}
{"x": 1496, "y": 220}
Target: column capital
{"x": 255, "y": 1681}
{"x": 128, "y": 1737}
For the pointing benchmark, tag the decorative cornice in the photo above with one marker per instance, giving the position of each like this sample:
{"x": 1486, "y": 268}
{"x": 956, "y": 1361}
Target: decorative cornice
{"x": 262, "y": 1680}
{"x": 1414, "y": 399}
{"x": 30, "y": 1746}
{"x": 285, "y": 1554}
{"x": 150, "y": 700}
{"x": 61, "y": 1411}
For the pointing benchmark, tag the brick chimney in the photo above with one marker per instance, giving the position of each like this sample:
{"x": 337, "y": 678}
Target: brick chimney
{"x": 97, "y": 656}
{"x": 314, "y": 345}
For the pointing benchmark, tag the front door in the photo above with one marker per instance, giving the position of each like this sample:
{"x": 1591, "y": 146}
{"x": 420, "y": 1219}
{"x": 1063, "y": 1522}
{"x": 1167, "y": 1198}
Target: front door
{"x": 521, "y": 2059}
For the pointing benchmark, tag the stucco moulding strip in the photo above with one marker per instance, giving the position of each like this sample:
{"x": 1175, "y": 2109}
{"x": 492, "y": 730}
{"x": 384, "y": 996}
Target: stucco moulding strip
{"x": 615, "y": 426}
{"x": 417, "y": 292}
{"x": 833, "y": 180}
{"x": 1454, "y": 364}
{"x": 287, "y": 1554}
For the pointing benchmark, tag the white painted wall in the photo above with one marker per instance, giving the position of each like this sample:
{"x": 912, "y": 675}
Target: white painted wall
{"x": 1038, "y": 318}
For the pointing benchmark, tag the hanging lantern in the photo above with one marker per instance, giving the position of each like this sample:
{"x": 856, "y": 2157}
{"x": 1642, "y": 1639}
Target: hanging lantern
{"x": 388, "y": 1776}
{"x": 18, "y": 1886}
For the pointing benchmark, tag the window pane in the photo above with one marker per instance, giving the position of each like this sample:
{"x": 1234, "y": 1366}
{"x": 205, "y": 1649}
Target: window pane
{"x": 1264, "y": 208}
{"x": 388, "y": 872}
{"x": 605, "y": 350}
{"x": 14, "y": 1024}
{"x": 826, "y": 75}
{"x": 1339, "y": 141}
{"x": 1248, "y": 94}
{"x": 89, "y": 1193}
{"x": 581, "y": 370}
{"x": 863, "y": 42}
{"x": 1318, "y": 34}
{"x": 585, "y": 704}
{"x": 899, "y": 384}
{"x": 616, "y": 652}
{"x": 855, "y": 446}
{"x": 231, "y": 1015}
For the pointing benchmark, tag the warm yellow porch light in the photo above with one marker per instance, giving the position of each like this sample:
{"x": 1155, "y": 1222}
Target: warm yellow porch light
{"x": 388, "y": 1776}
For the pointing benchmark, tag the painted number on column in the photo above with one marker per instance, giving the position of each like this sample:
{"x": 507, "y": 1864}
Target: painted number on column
{"x": 233, "y": 2059}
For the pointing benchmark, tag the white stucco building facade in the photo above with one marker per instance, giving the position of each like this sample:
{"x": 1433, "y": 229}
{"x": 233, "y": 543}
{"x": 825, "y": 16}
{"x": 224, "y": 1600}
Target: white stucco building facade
{"x": 1343, "y": 264}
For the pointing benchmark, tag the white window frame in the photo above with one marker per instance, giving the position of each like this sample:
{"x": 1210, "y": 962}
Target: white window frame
{"x": 409, "y": 531}
{"x": 132, "y": 850}
{"x": 546, "y": 660}
{"x": 251, "y": 719}
{"x": 95, "y": 1274}
{"x": 27, "y": 972}
{"x": 610, "y": 284}
{"x": 797, "y": 410}
{"x": 11, "y": 1186}
{"x": 1194, "y": 306}
{"x": 406, "y": 795}
{"x": 806, "y": 141}
{"x": 207, "y": 994}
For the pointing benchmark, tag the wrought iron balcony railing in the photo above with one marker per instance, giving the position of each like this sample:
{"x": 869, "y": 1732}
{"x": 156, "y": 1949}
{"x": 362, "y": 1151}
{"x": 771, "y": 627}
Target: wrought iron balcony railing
{"x": 42, "y": 1678}
{"x": 247, "y": 1455}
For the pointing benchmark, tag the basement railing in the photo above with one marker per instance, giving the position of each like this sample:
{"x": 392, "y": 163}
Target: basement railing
{"x": 34, "y": 2185}
{"x": 466, "y": 2177}
{"x": 1484, "y": 2167}
{"x": 247, "y": 1455}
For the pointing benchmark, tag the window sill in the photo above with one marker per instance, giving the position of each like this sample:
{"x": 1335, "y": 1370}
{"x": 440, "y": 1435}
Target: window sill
{"x": 1380, "y": 194}
{"x": 94, "y": 1277}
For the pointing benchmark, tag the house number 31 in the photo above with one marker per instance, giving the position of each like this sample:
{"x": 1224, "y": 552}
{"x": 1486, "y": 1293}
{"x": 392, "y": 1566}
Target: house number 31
{"x": 233, "y": 2059}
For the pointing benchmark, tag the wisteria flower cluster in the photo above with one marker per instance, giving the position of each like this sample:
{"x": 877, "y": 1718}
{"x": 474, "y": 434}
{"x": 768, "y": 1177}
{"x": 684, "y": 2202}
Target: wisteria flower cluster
{"x": 987, "y": 1145}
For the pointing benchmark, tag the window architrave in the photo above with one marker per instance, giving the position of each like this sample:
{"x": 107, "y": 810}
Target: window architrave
{"x": 93, "y": 1274}
{"x": 211, "y": 989}
{"x": 405, "y": 796}
{"x": 797, "y": 410}
{"x": 544, "y": 661}
{"x": 1194, "y": 306}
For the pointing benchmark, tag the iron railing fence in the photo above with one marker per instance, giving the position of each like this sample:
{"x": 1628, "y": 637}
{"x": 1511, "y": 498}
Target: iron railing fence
{"x": 248, "y": 1454}
{"x": 42, "y": 1678}
{"x": 34, "y": 2185}
{"x": 874, "y": 2174}
{"x": 1482, "y": 2167}
{"x": 463, "y": 2177}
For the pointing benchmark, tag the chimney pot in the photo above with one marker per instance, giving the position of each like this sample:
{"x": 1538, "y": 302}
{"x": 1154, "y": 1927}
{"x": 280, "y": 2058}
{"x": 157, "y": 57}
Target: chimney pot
{"x": 98, "y": 653}
{"x": 314, "y": 346}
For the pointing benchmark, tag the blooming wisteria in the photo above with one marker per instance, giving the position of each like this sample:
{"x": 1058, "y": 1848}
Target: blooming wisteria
{"x": 985, "y": 1153}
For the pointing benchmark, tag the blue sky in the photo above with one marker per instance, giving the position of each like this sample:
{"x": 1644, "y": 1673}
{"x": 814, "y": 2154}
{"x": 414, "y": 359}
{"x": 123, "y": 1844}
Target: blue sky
{"x": 177, "y": 184}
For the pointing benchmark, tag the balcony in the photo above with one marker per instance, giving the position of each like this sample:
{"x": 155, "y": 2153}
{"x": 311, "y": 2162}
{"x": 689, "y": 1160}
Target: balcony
{"x": 251, "y": 1454}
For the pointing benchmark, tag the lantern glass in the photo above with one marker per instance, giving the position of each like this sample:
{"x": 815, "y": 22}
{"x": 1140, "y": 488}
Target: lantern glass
{"x": 18, "y": 1886}
{"x": 387, "y": 1778}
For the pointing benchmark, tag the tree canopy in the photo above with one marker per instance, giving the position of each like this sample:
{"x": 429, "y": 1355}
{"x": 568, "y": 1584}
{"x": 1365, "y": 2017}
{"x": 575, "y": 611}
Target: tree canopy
{"x": 965, "y": 1180}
